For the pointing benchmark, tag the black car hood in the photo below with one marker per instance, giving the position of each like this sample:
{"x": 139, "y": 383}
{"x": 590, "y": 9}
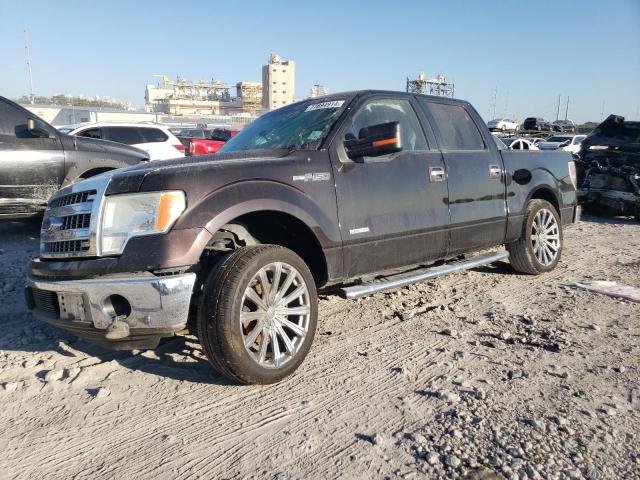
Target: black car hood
{"x": 614, "y": 143}
{"x": 130, "y": 179}
{"x": 84, "y": 144}
{"x": 615, "y": 133}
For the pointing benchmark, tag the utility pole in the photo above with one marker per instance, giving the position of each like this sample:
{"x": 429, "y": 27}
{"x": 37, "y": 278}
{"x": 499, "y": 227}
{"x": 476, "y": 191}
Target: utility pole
{"x": 492, "y": 104}
{"x": 566, "y": 110}
{"x": 558, "y": 109}
{"x": 506, "y": 105}
{"x": 28, "y": 55}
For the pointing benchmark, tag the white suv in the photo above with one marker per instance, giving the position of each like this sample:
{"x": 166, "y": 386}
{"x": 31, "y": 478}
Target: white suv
{"x": 156, "y": 140}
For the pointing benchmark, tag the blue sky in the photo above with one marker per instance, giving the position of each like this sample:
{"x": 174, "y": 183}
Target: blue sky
{"x": 588, "y": 50}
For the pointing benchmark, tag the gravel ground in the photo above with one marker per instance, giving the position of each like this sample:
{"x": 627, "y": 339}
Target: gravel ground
{"x": 484, "y": 374}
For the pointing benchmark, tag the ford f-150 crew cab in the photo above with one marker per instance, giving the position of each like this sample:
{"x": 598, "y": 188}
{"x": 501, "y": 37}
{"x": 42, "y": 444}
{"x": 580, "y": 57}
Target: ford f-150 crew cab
{"x": 36, "y": 160}
{"x": 360, "y": 192}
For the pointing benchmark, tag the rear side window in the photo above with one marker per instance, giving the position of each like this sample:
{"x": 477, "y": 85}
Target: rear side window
{"x": 153, "y": 135}
{"x": 220, "y": 135}
{"x": 91, "y": 133}
{"x": 457, "y": 129}
{"x": 126, "y": 135}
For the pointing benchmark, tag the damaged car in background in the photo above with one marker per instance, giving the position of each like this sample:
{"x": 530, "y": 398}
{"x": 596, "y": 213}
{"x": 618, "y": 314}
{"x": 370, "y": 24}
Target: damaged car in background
{"x": 608, "y": 168}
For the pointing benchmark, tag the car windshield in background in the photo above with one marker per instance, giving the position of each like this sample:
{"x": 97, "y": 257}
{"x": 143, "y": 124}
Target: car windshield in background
{"x": 558, "y": 139}
{"x": 191, "y": 133}
{"x": 294, "y": 127}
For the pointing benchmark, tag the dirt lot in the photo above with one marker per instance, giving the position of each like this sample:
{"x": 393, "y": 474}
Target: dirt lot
{"x": 485, "y": 374}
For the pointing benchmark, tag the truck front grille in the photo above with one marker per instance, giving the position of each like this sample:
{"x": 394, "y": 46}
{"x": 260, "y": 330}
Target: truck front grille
{"x": 70, "y": 222}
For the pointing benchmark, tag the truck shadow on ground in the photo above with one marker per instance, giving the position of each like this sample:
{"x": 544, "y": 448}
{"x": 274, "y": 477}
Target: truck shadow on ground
{"x": 177, "y": 358}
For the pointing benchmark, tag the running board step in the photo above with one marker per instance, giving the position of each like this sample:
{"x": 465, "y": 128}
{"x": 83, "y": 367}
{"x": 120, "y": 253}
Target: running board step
{"x": 403, "y": 279}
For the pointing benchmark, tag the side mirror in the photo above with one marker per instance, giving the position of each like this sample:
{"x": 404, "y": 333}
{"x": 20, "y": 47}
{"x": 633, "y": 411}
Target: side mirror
{"x": 37, "y": 129}
{"x": 375, "y": 140}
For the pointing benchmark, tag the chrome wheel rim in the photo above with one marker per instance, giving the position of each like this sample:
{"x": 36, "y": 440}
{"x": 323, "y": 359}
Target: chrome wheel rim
{"x": 545, "y": 237}
{"x": 275, "y": 315}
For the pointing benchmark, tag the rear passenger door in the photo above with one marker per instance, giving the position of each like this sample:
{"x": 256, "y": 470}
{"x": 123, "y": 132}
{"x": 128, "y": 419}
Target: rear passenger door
{"x": 392, "y": 214}
{"x": 31, "y": 168}
{"x": 475, "y": 177}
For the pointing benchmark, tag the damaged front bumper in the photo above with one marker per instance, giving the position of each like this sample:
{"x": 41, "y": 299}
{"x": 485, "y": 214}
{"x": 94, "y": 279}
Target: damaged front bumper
{"x": 148, "y": 306}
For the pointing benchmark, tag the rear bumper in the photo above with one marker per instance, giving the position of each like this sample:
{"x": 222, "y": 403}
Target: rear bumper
{"x": 152, "y": 307}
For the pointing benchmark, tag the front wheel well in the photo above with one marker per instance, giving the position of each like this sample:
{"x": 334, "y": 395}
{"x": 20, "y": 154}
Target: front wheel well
{"x": 93, "y": 172}
{"x": 276, "y": 228}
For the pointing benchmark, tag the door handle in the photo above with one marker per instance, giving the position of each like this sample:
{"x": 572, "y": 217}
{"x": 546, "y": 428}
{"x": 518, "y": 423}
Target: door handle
{"x": 436, "y": 174}
{"x": 495, "y": 171}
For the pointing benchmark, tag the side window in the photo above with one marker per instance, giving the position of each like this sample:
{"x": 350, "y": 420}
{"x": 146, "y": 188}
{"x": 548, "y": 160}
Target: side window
{"x": 91, "y": 133}
{"x": 387, "y": 110}
{"x": 126, "y": 135}
{"x": 13, "y": 122}
{"x": 154, "y": 135}
{"x": 525, "y": 146}
{"x": 220, "y": 135}
{"x": 457, "y": 129}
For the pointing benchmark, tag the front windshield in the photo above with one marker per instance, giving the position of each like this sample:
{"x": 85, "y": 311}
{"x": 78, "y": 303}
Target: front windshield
{"x": 294, "y": 127}
{"x": 558, "y": 139}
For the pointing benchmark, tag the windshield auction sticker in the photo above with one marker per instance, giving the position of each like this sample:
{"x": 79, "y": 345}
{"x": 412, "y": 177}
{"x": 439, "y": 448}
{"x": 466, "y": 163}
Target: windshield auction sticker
{"x": 320, "y": 106}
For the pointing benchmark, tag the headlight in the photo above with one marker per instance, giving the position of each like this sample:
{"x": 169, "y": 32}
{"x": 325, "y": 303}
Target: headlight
{"x": 134, "y": 215}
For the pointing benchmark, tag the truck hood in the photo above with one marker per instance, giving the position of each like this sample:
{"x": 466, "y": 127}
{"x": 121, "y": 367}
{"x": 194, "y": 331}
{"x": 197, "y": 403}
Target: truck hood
{"x": 84, "y": 144}
{"x": 131, "y": 179}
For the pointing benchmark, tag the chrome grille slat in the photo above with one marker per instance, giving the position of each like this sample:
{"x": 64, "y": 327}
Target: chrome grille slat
{"x": 63, "y": 235}
{"x": 70, "y": 210}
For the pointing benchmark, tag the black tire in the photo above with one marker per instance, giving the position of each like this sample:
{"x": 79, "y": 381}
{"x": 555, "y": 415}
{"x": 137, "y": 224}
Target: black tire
{"x": 522, "y": 256}
{"x": 219, "y": 326}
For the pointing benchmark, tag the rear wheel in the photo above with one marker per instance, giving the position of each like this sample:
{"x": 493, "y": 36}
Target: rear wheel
{"x": 258, "y": 314}
{"x": 539, "y": 247}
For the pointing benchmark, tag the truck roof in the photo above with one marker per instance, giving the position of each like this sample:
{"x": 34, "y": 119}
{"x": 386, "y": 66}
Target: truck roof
{"x": 356, "y": 93}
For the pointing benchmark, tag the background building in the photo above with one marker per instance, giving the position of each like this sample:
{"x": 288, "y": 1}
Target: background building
{"x": 318, "y": 90}
{"x": 184, "y": 97}
{"x": 250, "y": 95}
{"x": 278, "y": 82}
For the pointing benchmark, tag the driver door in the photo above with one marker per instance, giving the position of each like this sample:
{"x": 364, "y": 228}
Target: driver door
{"x": 392, "y": 212}
{"x": 31, "y": 168}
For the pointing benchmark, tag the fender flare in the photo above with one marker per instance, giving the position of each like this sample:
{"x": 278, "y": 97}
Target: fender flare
{"x": 222, "y": 206}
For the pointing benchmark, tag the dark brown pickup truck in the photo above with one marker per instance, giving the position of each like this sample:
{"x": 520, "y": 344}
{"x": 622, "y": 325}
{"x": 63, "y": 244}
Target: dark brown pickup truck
{"x": 353, "y": 193}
